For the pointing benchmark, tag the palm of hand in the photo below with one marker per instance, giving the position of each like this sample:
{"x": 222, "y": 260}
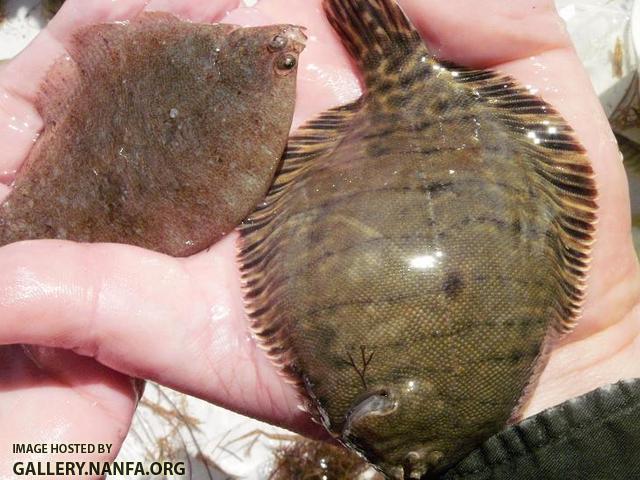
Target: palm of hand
{"x": 104, "y": 301}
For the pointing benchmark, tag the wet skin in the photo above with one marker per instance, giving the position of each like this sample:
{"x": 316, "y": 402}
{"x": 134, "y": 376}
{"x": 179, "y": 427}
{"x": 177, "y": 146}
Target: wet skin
{"x": 98, "y": 303}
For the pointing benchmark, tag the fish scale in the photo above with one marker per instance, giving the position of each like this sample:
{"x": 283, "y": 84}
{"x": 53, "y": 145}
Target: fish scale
{"x": 420, "y": 250}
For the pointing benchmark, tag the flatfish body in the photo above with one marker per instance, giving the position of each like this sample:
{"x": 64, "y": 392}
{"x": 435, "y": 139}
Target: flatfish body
{"x": 419, "y": 250}
{"x": 158, "y": 133}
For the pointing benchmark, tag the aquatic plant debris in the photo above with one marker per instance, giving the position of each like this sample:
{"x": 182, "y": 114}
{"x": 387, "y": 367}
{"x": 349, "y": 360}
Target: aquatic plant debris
{"x": 158, "y": 132}
{"x": 617, "y": 59}
{"x": 315, "y": 460}
{"x": 420, "y": 250}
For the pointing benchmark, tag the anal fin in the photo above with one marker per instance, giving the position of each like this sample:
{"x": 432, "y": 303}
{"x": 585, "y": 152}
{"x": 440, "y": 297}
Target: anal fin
{"x": 259, "y": 244}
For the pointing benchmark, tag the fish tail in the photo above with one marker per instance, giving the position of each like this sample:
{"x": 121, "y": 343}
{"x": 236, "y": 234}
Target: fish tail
{"x": 372, "y": 30}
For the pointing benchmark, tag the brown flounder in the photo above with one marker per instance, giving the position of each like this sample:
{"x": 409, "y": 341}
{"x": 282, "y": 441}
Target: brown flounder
{"x": 419, "y": 249}
{"x": 158, "y": 132}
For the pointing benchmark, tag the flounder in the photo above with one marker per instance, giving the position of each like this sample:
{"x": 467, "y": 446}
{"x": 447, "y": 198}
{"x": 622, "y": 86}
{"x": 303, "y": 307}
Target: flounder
{"x": 158, "y": 132}
{"x": 419, "y": 250}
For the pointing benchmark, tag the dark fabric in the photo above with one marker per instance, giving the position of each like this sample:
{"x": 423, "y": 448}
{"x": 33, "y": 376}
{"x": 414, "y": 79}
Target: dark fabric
{"x": 593, "y": 437}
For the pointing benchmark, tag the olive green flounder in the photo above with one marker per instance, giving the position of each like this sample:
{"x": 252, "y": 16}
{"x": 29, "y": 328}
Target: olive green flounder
{"x": 158, "y": 132}
{"x": 419, "y": 250}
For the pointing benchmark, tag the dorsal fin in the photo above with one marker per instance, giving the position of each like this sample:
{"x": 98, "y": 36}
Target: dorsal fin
{"x": 372, "y": 30}
{"x": 56, "y": 91}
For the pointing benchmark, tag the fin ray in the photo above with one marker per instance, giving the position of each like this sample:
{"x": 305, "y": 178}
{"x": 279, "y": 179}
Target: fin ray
{"x": 258, "y": 250}
{"x": 60, "y": 84}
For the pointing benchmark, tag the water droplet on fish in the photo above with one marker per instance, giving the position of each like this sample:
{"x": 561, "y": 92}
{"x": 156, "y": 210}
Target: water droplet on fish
{"x": 424, "y": 262}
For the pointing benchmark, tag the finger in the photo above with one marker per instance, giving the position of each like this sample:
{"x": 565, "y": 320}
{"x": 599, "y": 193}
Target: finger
{"x": 57, "y": 392}
{"x": 178, "y": 322}
{"x": 496, "y": 33}
{"x": 588, "y": 363}
{"x": 195, "y": 10}
{"x": 19, "y": 127}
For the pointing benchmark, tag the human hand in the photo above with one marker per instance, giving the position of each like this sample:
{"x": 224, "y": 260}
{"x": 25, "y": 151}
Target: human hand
{"x": 114, "y": 312}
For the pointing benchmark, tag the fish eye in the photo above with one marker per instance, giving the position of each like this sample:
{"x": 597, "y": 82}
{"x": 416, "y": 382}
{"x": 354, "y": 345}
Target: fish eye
{"x": 285, "y": 63}
{"x": 277, "y": 43}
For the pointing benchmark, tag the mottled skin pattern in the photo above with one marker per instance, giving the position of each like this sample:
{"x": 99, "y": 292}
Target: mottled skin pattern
{"x": 158, "y": 133}
{"x": 419, "y": 250}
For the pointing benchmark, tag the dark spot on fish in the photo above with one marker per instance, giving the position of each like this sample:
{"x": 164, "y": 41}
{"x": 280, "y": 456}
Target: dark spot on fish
{"x": 517, "y": 226}
{"x": 437, "y": 187}
{"x": 394, "y": 64}
{"x": 405, "y": 81}
{"x": 440, "y": 105}
{"x": 384, "y": 86}
{"x": 453, "y": 285}
{"x": 315, "y": 236}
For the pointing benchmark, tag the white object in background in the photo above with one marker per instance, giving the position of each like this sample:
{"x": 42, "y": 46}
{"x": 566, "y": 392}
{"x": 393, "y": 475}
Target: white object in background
{"x": 627, "y": 120}
{"x": 24, "y": 19}
{"x": 214, "y": 443}
{"x": 596, "y": 26}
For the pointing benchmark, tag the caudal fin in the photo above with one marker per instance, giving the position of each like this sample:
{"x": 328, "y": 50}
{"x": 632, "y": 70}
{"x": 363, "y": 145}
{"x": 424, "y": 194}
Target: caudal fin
{"x": 372, "y": 30}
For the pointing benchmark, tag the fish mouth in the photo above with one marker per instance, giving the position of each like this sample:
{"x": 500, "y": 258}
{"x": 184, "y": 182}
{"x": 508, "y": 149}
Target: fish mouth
{"x": 297, "y": 37}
